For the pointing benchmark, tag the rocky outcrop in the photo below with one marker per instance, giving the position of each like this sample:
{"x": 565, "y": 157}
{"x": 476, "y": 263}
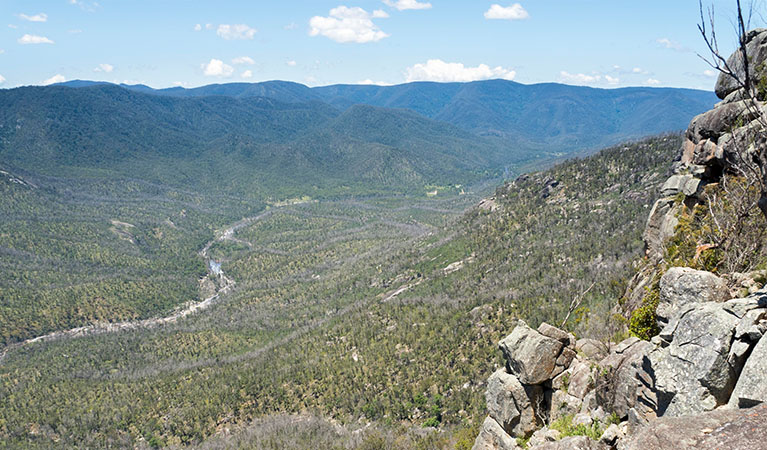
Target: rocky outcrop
{"x": 709, "y": 355}
{"x": 702, "y": 382}
{"x": 756, "y": 47}
{"x": 537, "y": 356}
{"x": 681, "y": 286}
{"x": 721, "y": 429}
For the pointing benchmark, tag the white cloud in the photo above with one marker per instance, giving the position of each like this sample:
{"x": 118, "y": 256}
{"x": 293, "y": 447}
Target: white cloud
{"x": 89, "y": 6}
{"x": 612, "y": 80}
{"x": 380, "y": 14}
{"x": 58, "y": 78}
{"x": 238, "y": 31}
{"x": 291, "y": 26}
{"x": 710, "y": 73}
{"x": 243, "y": 60}
{"x": 513, "y": 12}
{"x": 42, "y": 17}
{"x": 247, "y": 74}
{"x": 10, "y": 25}
{"x": 291, "y": 63}
{"x": 580, "y": 78}
{"x": 403, "y": 5}
{"x": 2, "y": 79}
{"x": 653, "y": 82}
{"x": 669, "y": 44}
{"x": 198, "y": 27}
{"x": 217, "y": 68}
{"x": 32, "y": 39}
{"x": 208, "y": 26}
{"x": 347, "y": 25}
{"x": 106, "y": 68}
{"x": 370, "y": 82}
{"x": 2, "y": 51}
{"x": 438, "y": 70}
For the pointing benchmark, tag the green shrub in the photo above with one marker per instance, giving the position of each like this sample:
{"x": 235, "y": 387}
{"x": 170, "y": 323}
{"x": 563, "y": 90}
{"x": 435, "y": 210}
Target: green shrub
{"x": 643, "y": 322}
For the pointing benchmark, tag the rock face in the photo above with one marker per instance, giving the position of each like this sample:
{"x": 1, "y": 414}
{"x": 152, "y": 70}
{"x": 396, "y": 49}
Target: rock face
{"x": 756, "y": 47}
{"x": 624, "y": 377}
{"x": 693, "y": 373}
{"x": 681, "y": 286}
{"x": 492, "y": 437}
{"x": 535, "y": 357}
{"x": 721, "y": 429}
{"x": 702, "y": 382}
{"x": 512, "y": 405}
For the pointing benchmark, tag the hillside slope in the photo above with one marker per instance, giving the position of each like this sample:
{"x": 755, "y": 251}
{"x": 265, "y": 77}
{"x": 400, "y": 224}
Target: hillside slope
{"x": 381, "y": 310}
{"x": 547, "y": 118}
{"x": 254, "y": 146}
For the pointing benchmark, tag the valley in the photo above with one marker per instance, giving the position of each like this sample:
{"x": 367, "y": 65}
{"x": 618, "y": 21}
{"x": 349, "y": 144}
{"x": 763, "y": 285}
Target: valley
{"x": 405, "y": 293}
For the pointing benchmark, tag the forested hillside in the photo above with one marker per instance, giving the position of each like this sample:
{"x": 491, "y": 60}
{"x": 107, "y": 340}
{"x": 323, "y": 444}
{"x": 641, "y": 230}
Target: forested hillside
{"x": 255, "y": 147}
{"x": 547, "y": 119}
{"x": 383, "y": 310}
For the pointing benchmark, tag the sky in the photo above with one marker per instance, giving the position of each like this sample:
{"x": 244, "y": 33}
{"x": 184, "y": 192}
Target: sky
{"x": 163, "y": 43}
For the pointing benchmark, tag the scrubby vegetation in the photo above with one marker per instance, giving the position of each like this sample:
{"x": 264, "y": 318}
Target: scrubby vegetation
{"x": 381, "y": 309}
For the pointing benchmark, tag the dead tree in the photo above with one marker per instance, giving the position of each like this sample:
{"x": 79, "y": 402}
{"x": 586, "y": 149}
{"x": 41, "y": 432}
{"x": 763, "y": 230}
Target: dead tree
{"x": 750, "y": 160}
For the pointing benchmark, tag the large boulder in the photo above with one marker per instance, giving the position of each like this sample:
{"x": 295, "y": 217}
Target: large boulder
{"x": 751, "y": 388}
{"x": 535, "y": 358}
{"x": 681, "y": 286}
{"x": 492, "y": 437}
{"x": 692, "y": 372}
{"x": 715, "y": 122}
{"x": 752, "y": 383}
{"x": 514, "y": 406}
{"x": 731, "y": 429}
{"x": 756, "y": 48}
{"x": 623, "y": 380}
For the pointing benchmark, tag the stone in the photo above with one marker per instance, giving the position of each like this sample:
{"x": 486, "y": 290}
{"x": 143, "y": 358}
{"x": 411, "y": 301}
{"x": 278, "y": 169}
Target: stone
{"x": 563, "y": 361}
{"x": 692, "y": 374}
{"x": 531, "y": 356}
{"x": 543, "y": 436}
{"x": 564, "y": 404}
{"x": 572, "y": 443}
{"x": 623, "y": 379}
{"x": 581, "y": 380}
{"x": 562, "y": 381}
{"x": 599, "y": 414}
{"x": 705, "y": 153}
{"x": 555, "y": 333}
{"x": 583, "y": 419}
{"x": 499, "y": 397}
{"x": 660, "y": 227}
{"x": 512, "y": 405}
{"x": 611, "y": 435}
{"x": 720, "y": 429}
{"x": 756, "y": 49}
{"x": 751, "y": 388}
{"x": 589, "y": 402}
{"x": 715, "y": 122}
{"x": 681, "y": 286}
{"x": 492, "y": 437}
{"x": 591, "y": 349}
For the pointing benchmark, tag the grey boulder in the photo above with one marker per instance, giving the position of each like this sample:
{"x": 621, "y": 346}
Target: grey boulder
{"x": 681, "y": 286}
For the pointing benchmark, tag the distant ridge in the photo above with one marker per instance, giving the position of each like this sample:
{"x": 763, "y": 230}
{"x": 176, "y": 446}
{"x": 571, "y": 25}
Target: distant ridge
{"x": 547, "y": 117}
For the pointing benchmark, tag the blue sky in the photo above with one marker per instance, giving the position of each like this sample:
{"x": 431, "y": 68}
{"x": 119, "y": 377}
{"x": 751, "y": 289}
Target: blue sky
{"x": 161, "y": 43}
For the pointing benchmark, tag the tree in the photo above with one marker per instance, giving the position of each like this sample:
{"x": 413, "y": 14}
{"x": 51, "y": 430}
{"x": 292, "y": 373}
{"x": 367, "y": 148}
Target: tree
{"x": 750, "y": 159}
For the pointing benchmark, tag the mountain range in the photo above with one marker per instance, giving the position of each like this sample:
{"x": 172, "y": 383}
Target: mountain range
{"x": 546, "y": 117}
